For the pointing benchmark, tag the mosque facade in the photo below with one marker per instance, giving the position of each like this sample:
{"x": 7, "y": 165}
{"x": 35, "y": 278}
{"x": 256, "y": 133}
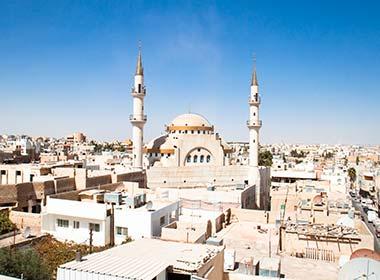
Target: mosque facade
{"x": 191, "y": 153}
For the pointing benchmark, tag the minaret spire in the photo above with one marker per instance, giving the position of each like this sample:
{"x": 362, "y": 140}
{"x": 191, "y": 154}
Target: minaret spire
{"x": 254, "y": 75}
{"x": 139, "y": 66}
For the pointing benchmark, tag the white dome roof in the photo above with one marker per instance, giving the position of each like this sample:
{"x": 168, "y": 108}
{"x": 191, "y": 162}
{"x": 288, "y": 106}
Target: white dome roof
{"x": 190, "y": 120}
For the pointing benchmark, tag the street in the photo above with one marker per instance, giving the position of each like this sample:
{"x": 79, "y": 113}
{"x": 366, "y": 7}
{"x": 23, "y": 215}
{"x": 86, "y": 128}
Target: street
{"x": 370, "y": 226}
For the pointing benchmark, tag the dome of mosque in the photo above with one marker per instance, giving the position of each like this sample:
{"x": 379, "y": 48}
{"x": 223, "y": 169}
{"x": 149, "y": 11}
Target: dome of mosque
{"x": 192, "y": 120}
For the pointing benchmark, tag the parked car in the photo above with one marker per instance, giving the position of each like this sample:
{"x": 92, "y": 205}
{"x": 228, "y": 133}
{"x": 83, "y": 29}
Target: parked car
{"x": 378, "y": 231}
{"x": 372, "y": 216}
{"x": 376, "y": 222}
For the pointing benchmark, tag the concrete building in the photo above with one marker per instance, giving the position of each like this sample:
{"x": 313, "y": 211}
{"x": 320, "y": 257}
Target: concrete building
{"x": 148, "y": 259}
{"x": 115, "y": 212}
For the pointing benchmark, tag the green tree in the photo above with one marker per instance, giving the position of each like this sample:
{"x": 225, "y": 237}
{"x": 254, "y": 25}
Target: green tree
{"x": 352, "y": 175}
{"x": 265, "y": 158}
{"x": 6, "y": 224}
{"x": 14, "y": 263}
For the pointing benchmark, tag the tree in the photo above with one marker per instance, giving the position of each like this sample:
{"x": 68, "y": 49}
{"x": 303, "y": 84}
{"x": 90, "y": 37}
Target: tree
{"x": 6, "y": 224}
{"x": 55, "y": 253}
{"x": 16, "y": 262}
{"x": 265, "y": 158}
{"x": 352, "y": 175}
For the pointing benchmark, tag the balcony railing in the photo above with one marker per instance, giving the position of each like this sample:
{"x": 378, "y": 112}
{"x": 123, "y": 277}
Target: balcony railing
{"x": 254, "y": 100}
{"x": 136, "y": 93}
{"x": 138, "y": 118}
{"x": 254, "y": 123}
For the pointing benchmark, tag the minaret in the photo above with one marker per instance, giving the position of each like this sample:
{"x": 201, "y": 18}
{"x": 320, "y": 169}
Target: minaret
{"x": 254, "y": 123}
{"x": 138, "y": 119}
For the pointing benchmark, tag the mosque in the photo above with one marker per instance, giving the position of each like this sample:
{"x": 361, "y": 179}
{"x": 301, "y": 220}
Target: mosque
{"x": 191, "y": 153}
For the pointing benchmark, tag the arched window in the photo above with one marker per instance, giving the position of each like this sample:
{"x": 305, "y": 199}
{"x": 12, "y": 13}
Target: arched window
{"x": 208, "y": 158}
{"x": 202, "y": 158}
{"x": 195, "y": 159}
{"x": 188, "y": 159}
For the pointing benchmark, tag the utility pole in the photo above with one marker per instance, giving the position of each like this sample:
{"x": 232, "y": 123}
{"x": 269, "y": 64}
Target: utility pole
{"x": 91, "y": 229}
{"x": 270, "y": 243}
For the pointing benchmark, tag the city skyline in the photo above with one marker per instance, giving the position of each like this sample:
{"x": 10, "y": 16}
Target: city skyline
{"x": 69, "y": 67}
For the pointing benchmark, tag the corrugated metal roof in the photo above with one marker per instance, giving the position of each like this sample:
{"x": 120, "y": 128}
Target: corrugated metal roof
{"x": 144, "y": 259}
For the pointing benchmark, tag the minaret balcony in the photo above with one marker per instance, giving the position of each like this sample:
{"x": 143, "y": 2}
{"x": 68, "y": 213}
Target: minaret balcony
{"x": 254, "y": 123}
{"x": 137, "y": 118}
{"x": 135, "y": 93}
{"x": 254, "y": 101}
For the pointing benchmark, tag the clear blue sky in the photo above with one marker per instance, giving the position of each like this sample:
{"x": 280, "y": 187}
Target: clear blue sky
{"x": 68, "y": 66}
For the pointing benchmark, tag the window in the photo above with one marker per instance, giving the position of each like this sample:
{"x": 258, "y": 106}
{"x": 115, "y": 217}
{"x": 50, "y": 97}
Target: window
{"x": 208, "y": 158}
{"x": 122, "y": 231}
{"x": 162, "y": 220}
{"x": 139, "y": 90}
{"x": 192, "y": 132}
{"x": 3, "y": 172}
{"x": 18, "y": 173}
{"x": 195, "y": 158}
{"x": 94, "y": 227}
{"x": 75, "y": 224}
{"x": 62, "y": 223}
{"x": 202, "y": 158}
{"x": 188, "y": 159}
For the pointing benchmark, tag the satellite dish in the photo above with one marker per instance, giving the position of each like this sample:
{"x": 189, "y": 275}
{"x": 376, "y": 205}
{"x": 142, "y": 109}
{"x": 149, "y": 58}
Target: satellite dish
{"x": 27, "y": 232}
{"x": 149, "y": 205}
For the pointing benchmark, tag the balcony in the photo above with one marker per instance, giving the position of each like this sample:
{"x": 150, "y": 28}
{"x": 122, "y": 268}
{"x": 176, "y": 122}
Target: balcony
{"x": 135, "y": 93}
{"x": 254, "y": 101}
{"x": 137, "y": 118}
{"x": 252, "y": 123}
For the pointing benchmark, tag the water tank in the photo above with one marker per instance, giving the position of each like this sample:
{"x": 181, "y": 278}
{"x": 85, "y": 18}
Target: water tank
{"x": 229, "y": 259}
{"x": 113, "y": 197}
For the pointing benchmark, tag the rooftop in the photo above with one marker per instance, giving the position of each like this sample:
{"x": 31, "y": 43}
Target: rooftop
{"x": 145, "y": 259}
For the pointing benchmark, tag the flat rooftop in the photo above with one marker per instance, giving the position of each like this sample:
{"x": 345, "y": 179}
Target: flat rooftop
{"x": 145, "y": 259}
{"x": 250, "y": 242}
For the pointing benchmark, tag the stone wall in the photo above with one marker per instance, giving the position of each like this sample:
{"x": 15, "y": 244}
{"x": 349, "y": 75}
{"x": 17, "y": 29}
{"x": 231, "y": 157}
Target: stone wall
{"x": 190, "y": 176}
{"x": 24, "y": 219}
{"x": 138, "y": 177}
{"x": 8, "y": 194}
{"x": 64, "y": 185}
{"x": 248, "y": 215}
{"x": 98, "y": 180}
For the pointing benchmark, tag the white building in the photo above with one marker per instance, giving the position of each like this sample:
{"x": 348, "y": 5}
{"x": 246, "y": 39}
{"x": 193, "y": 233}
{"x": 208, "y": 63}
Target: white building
{"x": 69, "y": 216}
{"x": 192, "y": 154}
{"x": 190, "y": 140}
